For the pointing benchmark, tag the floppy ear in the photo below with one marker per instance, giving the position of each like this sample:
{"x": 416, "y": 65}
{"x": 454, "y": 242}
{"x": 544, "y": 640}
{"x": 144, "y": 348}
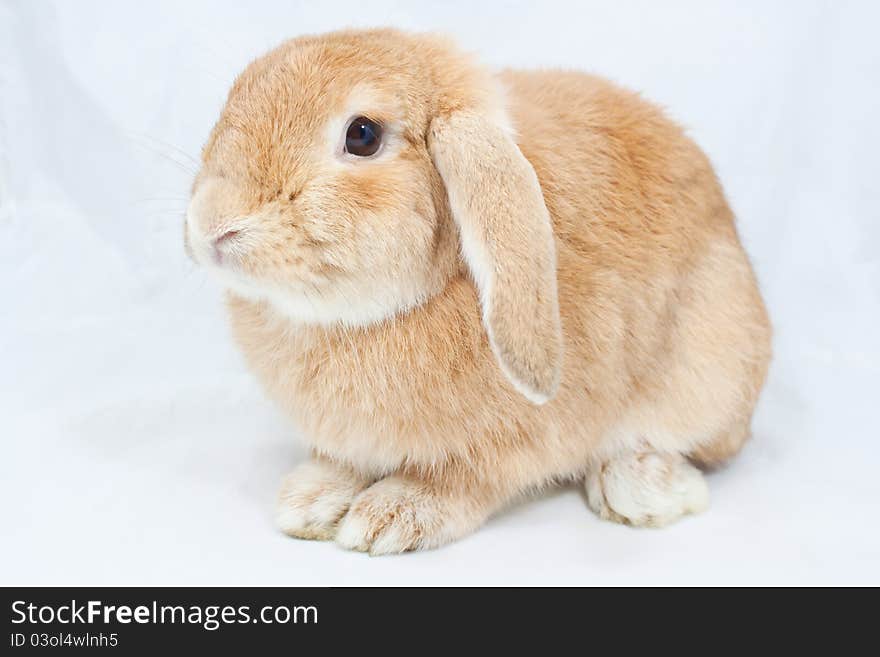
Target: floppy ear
{"x": 507, "y": 243}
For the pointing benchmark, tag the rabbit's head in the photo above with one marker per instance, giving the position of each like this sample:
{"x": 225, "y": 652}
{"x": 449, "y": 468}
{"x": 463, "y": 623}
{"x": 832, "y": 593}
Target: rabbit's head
{"x": 351, "y": 176}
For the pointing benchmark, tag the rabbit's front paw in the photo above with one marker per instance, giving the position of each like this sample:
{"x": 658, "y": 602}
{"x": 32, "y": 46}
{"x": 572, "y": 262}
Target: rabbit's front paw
{"x": 398, "y": 515}
{"x": 314, "y": 497}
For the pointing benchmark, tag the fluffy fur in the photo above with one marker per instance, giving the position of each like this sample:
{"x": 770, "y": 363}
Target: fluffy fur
{"x": 537, "y": 278}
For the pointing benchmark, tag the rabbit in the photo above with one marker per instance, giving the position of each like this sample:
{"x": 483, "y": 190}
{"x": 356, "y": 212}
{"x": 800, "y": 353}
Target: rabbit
{"x": 465, "y": 286}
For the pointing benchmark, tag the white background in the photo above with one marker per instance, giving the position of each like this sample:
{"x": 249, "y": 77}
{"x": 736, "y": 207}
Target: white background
{"x": 136, "y": 449}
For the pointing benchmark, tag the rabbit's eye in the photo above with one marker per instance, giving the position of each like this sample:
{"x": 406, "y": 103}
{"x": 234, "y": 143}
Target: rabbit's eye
{"x": 363, "y": 137}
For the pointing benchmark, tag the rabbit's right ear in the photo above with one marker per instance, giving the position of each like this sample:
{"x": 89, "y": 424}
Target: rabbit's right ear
{"x": 507, "y": 242}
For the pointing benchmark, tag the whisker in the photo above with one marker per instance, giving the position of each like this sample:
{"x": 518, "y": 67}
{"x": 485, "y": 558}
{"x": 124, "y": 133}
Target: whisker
{"x": 185, "y": 166}
{"x": 162, "y": 200}
{"x": 160, "y": 142}
{"x": 154, "y": 204}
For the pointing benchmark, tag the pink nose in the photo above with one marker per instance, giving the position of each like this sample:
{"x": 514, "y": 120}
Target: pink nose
{"x": 221, "y": 244}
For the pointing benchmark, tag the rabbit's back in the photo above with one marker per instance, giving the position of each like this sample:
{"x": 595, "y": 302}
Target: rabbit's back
{"x": 663, "y": 320}
{"x": 619, "y": 177}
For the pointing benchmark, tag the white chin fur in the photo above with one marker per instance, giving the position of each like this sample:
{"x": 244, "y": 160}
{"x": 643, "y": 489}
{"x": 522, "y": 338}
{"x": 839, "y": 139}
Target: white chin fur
{"x": 337, "y": 304}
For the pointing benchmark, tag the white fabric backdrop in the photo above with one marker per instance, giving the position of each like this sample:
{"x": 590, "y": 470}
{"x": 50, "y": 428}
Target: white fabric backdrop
{"x": 137, "y": 449}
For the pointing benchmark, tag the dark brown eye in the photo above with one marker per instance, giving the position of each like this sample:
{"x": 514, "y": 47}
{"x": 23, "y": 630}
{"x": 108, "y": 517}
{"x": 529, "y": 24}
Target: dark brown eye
{"x": 363, "y": 137}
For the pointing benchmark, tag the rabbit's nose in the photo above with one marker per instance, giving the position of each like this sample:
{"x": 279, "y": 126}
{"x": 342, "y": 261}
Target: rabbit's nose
{"x": 224, "y": 244}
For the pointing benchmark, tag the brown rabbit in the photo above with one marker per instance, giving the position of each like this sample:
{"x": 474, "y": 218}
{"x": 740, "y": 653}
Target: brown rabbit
{"x": 464, "y": 286}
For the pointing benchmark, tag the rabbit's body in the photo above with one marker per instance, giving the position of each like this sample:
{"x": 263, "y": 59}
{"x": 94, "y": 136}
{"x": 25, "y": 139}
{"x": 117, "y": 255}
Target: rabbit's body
{"x": 418, "y": 435}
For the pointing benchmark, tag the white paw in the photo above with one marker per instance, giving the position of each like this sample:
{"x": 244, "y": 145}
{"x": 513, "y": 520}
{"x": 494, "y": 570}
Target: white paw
{"x": 392, "y": 516}
{"x": 313, "y": 498}
{"x": 647, "y": 490}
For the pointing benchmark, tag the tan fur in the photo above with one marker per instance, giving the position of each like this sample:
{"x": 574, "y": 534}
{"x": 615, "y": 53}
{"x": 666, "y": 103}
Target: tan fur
{"x": 354, "y": 307}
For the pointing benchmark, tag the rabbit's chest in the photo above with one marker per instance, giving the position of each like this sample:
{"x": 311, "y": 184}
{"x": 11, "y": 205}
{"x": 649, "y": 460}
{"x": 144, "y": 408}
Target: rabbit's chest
{"x": 376, "y": 396}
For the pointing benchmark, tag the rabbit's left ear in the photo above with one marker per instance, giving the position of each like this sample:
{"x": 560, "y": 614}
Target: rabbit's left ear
{"x": 507, "y": 242}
